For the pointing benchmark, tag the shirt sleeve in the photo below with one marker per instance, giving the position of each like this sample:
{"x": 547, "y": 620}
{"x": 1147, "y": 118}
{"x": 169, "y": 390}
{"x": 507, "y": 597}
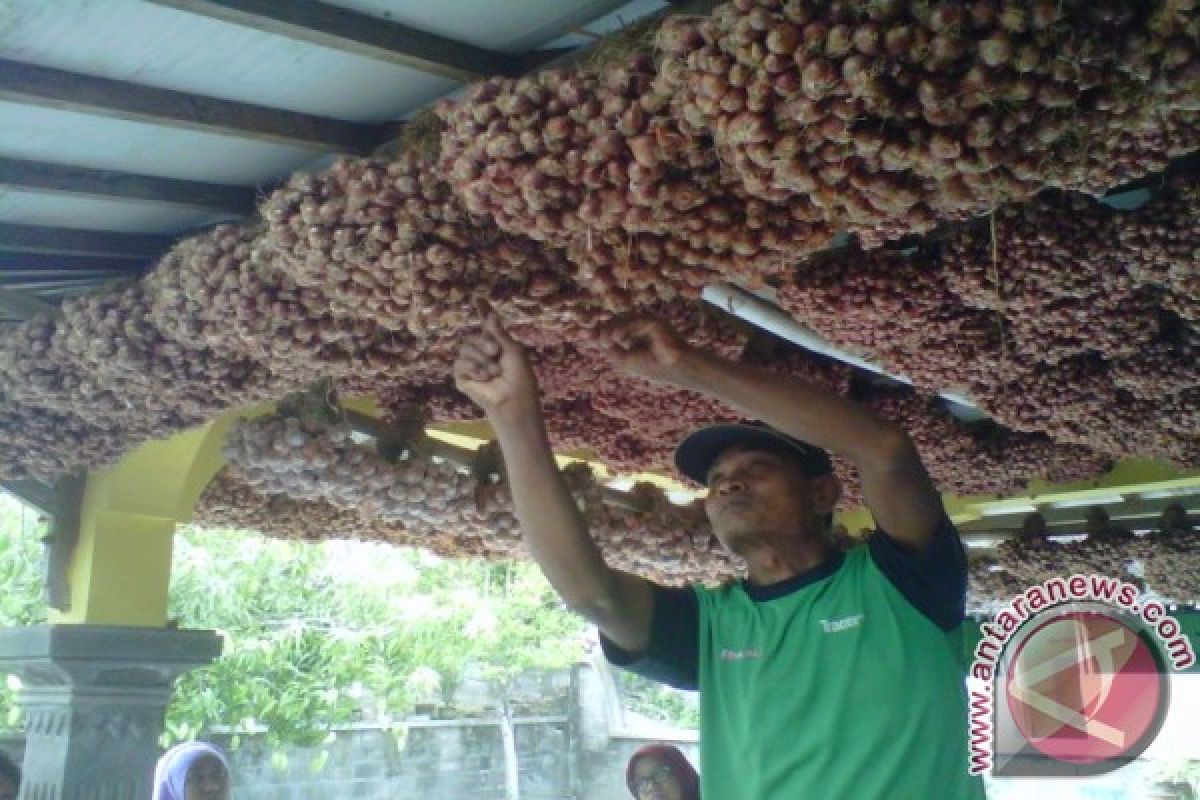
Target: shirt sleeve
{"x": 933, "y": 579}
{"x": 673, "y": 653}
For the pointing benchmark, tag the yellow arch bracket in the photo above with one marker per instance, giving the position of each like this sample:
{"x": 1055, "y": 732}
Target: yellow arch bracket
{"x": 122, "y": 563}
{"x": 121, "y": 568}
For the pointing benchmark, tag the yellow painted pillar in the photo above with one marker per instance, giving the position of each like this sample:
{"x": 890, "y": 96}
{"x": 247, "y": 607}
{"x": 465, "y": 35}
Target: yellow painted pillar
{"x": 121, "y": 566}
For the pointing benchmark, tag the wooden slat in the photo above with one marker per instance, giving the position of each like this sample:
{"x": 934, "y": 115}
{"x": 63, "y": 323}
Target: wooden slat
{"x": 36, "y": 265}
{"x": 354, "y": 32}
{"x": 45, "y": 286}
{"x": 74, "y": 241}
{"x": 20, "y": 305}
{"x": 71, "y": 91}
{"x": 41, "y": 176}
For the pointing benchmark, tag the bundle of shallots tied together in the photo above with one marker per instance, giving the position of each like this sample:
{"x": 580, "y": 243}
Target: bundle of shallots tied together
{"x": 49, "y": 444}
{"x": 596, "y": 163}
{"x": 972, "y": 459}
{"x": 889, "y": 116}
{"x": 1157, "y": 561}
{"x": 390, "y": 242}
{"x": 314, "y": 460}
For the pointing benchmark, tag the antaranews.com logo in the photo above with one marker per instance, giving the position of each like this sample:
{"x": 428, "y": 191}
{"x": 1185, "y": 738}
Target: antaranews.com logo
{"x": 1074, "y": 675}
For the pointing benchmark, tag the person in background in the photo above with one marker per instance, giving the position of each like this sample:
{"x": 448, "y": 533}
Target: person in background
{"x": 661, "y": 772}
{"x": 1174, "y": 520}
{"x": 1101, "y": 527}
{"x": 10, "y": 777}
{"x": 192, "y": 771}
{"x": 1033, "y": 528}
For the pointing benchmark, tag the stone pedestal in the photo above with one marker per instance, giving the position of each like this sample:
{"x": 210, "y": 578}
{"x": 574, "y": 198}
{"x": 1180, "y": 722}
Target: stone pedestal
{"x": 94, "y": 699}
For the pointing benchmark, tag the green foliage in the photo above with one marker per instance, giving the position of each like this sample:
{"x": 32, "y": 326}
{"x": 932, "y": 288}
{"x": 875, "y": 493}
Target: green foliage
{"x": 21, "y": 576}
{"x": 658, "y": 701}
{"x": 325, "y": 634}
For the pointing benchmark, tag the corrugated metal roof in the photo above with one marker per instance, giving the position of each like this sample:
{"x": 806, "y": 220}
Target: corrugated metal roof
{"x": 146, "y": 43}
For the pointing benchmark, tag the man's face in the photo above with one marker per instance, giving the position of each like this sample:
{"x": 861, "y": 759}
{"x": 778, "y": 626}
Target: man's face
{"x": 752, "y": 493}
{"x": 207, "y": 780}
{"x": 655, "y": 780}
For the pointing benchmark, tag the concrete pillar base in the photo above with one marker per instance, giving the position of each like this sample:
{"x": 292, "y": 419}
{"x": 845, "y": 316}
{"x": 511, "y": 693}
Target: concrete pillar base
{"x": 94, "y": 699}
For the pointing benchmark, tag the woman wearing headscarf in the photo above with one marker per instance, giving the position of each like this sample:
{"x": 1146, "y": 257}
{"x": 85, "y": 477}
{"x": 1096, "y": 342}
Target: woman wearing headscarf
{"x": 192, "y": 771}
{"x": 661, "y": 772}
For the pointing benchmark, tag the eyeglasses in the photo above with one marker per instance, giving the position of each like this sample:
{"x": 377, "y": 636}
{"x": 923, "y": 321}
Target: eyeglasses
{"x": 659, "y": 777}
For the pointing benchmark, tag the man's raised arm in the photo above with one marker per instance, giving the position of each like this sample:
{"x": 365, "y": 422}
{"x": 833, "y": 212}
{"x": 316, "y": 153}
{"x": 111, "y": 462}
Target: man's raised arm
{"x": 493, "y": 370}
{"x": 896, "y": 486}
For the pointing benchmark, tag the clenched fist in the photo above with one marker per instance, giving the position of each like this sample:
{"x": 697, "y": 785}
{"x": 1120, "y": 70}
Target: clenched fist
{"x": 493, "y": 370}
{"x": 646, "y": 347}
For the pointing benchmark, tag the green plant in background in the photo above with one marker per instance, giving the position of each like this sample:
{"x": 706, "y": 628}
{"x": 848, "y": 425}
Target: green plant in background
{"x": 21, "y": 602}
{"x": 658, "y": 701}
{"x": 318, "y": 635}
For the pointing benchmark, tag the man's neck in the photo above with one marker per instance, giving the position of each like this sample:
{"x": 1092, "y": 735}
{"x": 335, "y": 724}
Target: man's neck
{"x": 772, "y": 562}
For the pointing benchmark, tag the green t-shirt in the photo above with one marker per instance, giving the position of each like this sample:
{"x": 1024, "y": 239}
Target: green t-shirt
{"x": 845, "y": 682}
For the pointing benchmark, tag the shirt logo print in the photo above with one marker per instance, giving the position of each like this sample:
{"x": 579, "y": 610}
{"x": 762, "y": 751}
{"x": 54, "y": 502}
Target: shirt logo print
{"x": 845, "y": 623}
{"x": 752, "y": 653}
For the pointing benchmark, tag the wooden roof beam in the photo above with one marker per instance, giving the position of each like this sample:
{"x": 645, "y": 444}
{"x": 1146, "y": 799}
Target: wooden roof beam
{"x": 359, "y": 34}
{"x": 46, "y": 265}
{"x": 39, "y": 176}
{"x": 71, "y": 91}
{"x": 74, "y": 241}
{"x": 20, "y": 305}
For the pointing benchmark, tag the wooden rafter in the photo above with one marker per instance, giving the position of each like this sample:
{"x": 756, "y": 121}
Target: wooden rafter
{"x": 74, "y": 241}
{"x": 21, "y": 305}
{"x": 44, "y": 265}
{"x": 354, "y": 32}
{"x": 71, "y": 91}
{"x": 40, "y": 176}
{"x": 44, "y": 286}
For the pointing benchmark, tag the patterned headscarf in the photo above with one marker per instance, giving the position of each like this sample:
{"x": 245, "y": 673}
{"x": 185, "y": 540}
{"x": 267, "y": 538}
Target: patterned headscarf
{"x": 670, "y": 755}
{"x": 170, "y": 774}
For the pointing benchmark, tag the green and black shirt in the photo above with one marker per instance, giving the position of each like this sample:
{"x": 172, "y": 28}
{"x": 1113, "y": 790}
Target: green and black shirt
{"x": 845, "y": 682}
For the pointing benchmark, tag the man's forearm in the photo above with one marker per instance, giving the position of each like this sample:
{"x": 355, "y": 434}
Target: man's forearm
{"x": 550, "y": 521}
{"x": 808, "y": 412}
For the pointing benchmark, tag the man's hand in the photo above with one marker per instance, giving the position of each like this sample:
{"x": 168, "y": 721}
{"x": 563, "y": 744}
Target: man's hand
{"x": 493, "y": 370}
{"x": 645, "y": 347}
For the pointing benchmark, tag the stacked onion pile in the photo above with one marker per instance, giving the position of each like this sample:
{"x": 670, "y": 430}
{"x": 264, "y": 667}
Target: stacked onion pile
{"x": 51, "y": 444}
{"x": 884, "y": 304}
{"x": 1054, "y": 269}
{"x": 39, "y": 370}
{"x": 891, "y": 115}
{"x": 273, "y": 490}
{"x": 389, "y": 242}
{"x": 968, "y": 459}
{"x": 1163, "y": 561}
{"x": 597, "y": 164}
{"x": 1051, "y": 318}
{"x": 990, "y": 586}
{"x": 228, "y": 502}
{"x": 313, "y": 460}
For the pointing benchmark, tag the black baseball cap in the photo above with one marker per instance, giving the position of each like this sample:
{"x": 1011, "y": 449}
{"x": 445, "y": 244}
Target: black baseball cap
{"x": 696, "y": 454}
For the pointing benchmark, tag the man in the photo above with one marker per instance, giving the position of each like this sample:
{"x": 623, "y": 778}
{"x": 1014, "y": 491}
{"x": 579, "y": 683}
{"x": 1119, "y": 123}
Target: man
{"x": 824, "y": 674}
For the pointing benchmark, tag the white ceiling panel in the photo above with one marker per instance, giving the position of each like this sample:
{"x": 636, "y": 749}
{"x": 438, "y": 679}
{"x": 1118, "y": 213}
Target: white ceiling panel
{"x": 66, "y": 137}
{"x": 102, "y": 214}
{"x": 507, "y": 26}
{"x": 144, "y": 43}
